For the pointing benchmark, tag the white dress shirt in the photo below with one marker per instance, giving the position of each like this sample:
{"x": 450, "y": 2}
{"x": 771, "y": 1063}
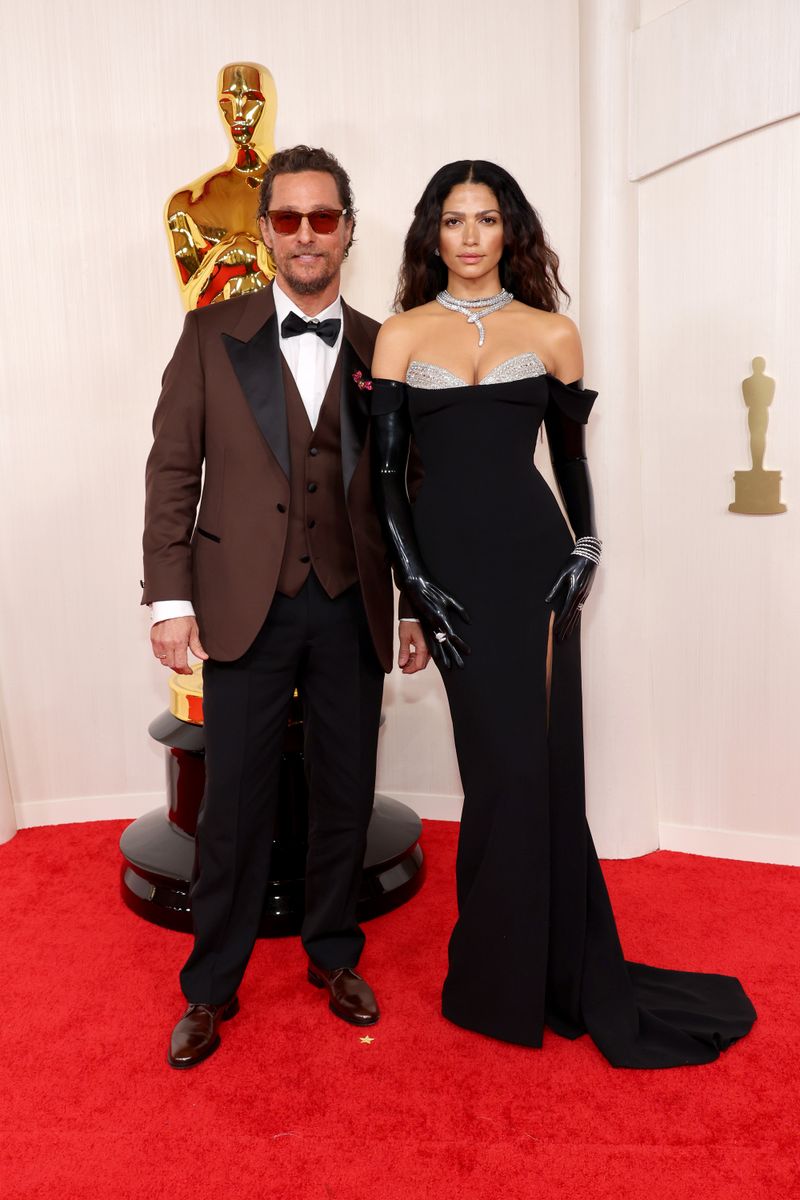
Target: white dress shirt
{"x": 311, "y": 361}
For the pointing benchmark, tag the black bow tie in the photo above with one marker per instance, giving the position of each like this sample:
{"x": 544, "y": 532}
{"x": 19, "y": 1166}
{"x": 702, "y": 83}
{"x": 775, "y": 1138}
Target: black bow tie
{"x": 293, "y": 325}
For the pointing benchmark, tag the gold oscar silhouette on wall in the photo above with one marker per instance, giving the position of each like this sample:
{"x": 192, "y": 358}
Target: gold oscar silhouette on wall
{"x": 211, "y": 224}
{"x": 758, "y": 492}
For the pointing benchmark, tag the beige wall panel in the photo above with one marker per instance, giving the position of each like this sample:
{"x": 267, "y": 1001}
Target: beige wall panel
{"x": 708, "y": 71}
{"x": 107, "y": 109}
{"x": 718, "y": 285}
{"x": 621, "y": 800}
{"x": 8, "y": 820}
{"x": 651, "y": 10}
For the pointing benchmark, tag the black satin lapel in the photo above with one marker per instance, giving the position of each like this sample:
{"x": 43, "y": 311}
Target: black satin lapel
{"x": 257, "y": 364}
{"x": 353, "y": 414}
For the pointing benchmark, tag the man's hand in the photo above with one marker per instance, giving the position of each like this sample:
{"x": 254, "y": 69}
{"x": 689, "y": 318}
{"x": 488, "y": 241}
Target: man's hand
{"x": 171, "y": 639}
{"x": 414, "y": 655}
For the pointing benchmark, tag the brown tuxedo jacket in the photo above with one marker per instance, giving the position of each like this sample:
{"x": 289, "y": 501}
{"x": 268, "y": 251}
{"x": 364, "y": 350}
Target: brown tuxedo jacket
{"x": 222, "y": 407}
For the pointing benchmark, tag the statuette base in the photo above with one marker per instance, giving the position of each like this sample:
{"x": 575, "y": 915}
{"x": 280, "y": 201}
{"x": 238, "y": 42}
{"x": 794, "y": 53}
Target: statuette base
{"x": 758, "y": 493}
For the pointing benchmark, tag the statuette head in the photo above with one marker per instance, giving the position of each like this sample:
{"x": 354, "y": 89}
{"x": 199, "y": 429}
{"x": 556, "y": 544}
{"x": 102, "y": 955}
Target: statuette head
{"x": 246, "y": 94}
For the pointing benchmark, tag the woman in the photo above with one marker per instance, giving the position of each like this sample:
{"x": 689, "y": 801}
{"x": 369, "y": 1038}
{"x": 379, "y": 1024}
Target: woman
{"x": 475, "y": 362}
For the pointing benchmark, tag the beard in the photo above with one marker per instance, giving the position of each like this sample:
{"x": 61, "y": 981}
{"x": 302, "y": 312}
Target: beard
{"x": 305, "y": 286}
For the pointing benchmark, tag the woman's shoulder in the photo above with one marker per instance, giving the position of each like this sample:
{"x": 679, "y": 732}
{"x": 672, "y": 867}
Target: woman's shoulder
{"x": 555, "y": 330}
{"x": 556, "y": 337}
{"x": 552, "y": 324}
{"x": 401, "y": 326}
{"x": 408, "y": 317}
{"x": 396, "y": 340}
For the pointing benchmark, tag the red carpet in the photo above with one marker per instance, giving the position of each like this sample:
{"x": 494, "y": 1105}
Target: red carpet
{"x": 294, "y": 1107}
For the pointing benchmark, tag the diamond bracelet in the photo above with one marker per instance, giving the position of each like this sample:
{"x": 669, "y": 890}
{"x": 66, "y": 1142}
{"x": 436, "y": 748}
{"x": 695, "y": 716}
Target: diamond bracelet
{"x": 589, "y": 547}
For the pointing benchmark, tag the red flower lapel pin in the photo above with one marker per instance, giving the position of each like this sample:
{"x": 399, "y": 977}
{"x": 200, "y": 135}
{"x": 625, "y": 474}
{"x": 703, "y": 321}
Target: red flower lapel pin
{"x": 365, "y": 385}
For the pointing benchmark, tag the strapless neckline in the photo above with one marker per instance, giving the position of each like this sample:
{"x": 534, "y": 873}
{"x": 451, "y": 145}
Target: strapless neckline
{"x": 431, "y": 375}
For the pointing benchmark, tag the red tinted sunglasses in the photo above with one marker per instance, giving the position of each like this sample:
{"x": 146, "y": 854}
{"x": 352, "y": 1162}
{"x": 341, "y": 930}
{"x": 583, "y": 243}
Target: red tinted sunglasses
{"x": 321, "y": 220}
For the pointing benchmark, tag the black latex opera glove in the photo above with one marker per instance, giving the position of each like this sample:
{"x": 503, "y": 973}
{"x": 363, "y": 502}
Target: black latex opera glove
{"x": 391, "y": 437}
{"x": 567, "y": 441}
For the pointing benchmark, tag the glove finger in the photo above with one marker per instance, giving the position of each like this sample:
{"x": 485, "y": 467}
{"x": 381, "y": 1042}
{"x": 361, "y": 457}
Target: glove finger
{"x": 560, "y": 625}
{"x": 551, "y": 595}
{"x": 444, "y": 625}
{"x": 459, "y": 608}
{"x": 445, "y": 601}
{"x": 447, "y": 657}
{"x": 571, "y": 622}
{"x": 459, "y": 644}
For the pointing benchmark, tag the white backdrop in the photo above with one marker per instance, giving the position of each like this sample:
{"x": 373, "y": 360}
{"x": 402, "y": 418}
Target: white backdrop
{"x": 719, "y": 249}
{"x": 683, "y": 272}
{"x": 107, "y": 110}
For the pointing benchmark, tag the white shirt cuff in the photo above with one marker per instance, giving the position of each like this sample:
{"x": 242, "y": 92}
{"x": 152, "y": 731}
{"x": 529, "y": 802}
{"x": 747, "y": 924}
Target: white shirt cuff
{"x": 165, "y": 610}
{"x": 409, "y": 618}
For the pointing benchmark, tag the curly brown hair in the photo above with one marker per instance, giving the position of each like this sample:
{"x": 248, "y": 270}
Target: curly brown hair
{"x": 528, "y": 267}
{"x": 295, "y": 159}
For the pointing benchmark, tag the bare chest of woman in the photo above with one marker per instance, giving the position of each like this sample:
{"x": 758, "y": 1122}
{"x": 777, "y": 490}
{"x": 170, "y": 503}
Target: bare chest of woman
{"x": 450, "y": 347}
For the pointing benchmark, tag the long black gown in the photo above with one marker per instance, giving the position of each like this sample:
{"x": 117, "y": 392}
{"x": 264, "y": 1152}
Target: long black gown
{"x": 535, "y": 943}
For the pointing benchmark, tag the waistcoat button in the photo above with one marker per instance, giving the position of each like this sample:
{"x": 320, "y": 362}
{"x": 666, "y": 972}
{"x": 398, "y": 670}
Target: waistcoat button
{"x": 312, "y": 487}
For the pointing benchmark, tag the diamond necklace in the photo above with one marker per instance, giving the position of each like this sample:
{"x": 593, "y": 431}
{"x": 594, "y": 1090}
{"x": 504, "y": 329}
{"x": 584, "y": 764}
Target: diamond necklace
{"x": 475, "y": 310}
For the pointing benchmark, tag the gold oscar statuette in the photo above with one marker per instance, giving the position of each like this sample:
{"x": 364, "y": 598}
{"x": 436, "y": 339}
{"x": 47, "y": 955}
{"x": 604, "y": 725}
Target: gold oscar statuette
{"x": 211, "y": 224}
{"x": 216, "y": 243}
{"x": 758, "y": 492}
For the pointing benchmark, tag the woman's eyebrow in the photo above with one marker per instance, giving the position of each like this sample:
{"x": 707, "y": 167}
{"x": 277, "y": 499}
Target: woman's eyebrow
{"x": 484, "y": 212}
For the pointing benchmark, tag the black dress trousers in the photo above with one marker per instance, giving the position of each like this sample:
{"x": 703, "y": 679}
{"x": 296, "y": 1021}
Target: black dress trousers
{"x": 324, "y": 649}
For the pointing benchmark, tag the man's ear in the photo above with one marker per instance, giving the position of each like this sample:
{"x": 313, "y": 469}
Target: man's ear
{"x": 264, "y": 227}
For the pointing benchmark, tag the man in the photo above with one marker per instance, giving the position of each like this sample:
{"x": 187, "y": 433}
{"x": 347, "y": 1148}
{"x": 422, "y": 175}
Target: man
{"x": 282, "y": 582}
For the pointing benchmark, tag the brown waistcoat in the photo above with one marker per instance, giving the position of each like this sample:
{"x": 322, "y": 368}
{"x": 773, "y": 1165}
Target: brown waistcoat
{"x": 319, "y": 533}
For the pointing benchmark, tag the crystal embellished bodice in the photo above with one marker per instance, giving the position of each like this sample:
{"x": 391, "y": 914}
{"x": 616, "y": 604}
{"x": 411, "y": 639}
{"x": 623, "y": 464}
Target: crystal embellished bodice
{"x": 429, "y": 375}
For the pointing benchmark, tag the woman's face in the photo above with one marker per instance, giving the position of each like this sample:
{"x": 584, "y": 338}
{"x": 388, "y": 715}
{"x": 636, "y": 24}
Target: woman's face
{"x": 471, "y": 235}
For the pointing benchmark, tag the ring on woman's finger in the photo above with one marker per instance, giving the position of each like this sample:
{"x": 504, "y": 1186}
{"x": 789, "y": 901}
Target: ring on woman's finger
{"x": 162, "y": 656}
{"x": 440, "y": 637}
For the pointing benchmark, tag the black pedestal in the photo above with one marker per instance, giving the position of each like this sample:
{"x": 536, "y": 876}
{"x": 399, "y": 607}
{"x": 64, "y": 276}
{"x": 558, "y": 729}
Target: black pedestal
{"x": 158, "y": 848}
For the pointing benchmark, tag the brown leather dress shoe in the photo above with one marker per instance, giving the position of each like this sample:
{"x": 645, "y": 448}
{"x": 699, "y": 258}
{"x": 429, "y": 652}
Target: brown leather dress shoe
{"x": 196, "y": 1035}
{"x": 350, "y": 996}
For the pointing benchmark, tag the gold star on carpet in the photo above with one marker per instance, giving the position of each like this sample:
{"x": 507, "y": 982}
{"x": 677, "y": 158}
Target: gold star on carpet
{"x": 366, "y": 1040}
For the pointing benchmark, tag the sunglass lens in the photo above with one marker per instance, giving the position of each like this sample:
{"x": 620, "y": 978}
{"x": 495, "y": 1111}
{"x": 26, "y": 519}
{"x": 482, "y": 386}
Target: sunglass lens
{"x": 284, "y": 221}
{"x": 324, "y": 220}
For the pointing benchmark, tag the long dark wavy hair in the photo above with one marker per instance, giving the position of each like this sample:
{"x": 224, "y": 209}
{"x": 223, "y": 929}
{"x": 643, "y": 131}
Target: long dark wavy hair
{"x": 528, "y": 267}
